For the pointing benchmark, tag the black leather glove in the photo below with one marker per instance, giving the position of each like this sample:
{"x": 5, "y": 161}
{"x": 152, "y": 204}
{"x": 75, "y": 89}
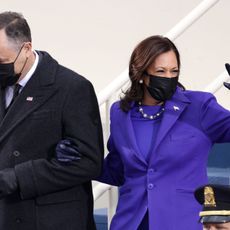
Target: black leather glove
{"x": 8, "y": 182}
{"x": 66, "y": 151}
{"x": 227, "y": 85}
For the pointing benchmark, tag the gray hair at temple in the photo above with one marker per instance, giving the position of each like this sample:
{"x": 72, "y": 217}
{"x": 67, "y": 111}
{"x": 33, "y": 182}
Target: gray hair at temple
{"x": 16, "y": 28}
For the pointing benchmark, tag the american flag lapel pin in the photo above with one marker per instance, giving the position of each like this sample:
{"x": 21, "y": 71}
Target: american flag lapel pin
{"x": 176, "y": 108}
{"x": 29, "y": 98}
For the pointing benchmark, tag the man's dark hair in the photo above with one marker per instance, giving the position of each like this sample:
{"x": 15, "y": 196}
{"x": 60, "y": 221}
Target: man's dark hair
{"x": 16, "y": 27}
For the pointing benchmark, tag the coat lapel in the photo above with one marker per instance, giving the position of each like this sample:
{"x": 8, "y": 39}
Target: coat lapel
{"x": 22, "y": 108}
{"x": 2, "y": 104}
{"x": 129, "y": 138}
{"x": 173, "y": 110}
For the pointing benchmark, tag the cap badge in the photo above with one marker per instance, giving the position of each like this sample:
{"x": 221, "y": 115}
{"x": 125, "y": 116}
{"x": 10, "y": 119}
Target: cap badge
{"x": 209, "y": 197}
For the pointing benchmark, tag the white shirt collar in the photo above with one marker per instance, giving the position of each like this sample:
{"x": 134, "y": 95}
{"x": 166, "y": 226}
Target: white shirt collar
{"x": 27, "y": 77}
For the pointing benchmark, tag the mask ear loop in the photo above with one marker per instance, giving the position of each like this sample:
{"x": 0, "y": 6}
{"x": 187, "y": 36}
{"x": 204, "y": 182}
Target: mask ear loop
{"x": 17, "y": 58}
{"x": 19, "y": 53}
{"x": 23, "y": 66}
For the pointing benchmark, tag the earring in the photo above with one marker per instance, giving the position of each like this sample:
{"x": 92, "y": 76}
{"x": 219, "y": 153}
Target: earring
{"x": 141, "y": 81}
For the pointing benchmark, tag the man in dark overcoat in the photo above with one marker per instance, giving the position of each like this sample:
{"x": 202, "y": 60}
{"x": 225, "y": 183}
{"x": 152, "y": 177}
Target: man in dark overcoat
{"x": 43, "y": 103}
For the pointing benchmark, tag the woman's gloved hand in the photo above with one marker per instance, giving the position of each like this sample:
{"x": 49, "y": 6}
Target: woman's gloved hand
{"x": 67, "y": 151}
{"x": 226, "y": 84}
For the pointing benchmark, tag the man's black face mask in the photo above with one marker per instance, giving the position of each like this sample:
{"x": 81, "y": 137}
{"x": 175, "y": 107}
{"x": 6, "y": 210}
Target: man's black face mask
{"x": 7, "y": 75}
{"x": 161, "y": 88}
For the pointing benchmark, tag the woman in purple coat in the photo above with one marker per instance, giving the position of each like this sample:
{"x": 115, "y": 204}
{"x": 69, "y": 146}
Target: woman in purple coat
{"x": 160, "y": 138}
{"x": 161, "y": 135}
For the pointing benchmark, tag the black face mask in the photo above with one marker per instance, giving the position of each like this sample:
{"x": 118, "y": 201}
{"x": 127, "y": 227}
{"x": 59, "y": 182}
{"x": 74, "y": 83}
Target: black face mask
{"x": 7, "y": 75}
{"x": 161, "y": 88}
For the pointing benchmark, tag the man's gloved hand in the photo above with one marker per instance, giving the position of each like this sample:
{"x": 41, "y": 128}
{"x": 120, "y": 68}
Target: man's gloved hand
{"x": 8, "y": 182}
{"x": 227, "y": 66}
{"x": 66, "y": 151}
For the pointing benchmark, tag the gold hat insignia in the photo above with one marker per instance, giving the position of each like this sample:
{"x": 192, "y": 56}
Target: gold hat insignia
{"x": 209, "y": 197}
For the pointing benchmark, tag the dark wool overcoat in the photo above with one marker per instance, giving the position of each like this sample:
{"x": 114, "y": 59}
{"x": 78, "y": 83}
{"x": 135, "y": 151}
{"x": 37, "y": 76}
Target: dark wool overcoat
{"x": 56, "y": 103}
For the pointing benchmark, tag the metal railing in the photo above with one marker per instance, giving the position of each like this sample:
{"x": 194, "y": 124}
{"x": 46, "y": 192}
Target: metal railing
{"x": 214, "y": 86}
{"x": 105, "y": 97}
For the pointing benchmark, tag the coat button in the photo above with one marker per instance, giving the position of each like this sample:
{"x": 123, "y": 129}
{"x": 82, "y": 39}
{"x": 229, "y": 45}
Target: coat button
{"x": 18, "y": 220}
{"x": 16, "y": 153}
{"x": 152, "y": 170}
{"x": 150, "y": 186}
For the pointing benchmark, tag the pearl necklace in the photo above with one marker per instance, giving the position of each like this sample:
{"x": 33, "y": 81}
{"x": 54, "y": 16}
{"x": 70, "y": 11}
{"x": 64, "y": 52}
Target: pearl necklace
{"x": 151, "y": 117}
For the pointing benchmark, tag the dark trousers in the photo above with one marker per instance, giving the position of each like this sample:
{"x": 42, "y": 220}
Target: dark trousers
{"x": 144, "y": 223}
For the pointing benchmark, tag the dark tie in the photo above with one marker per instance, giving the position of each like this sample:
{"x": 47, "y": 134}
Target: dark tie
{"x": 17, "y": 88}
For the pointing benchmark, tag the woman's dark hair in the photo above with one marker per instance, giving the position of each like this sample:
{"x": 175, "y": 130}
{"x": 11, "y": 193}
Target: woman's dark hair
{"x": 142, "y": 57}
{"x": 16, "y": 27}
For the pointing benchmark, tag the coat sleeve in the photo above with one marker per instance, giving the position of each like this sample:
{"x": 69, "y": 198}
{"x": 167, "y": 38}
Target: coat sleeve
{"x": 81, "y": 123}
{"x": 113, "y": 170}
{"x": 215, "y": 120}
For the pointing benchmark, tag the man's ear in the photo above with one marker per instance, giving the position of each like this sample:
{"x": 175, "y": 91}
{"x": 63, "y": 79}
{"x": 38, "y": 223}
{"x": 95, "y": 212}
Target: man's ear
{"x": 28, "y": 48}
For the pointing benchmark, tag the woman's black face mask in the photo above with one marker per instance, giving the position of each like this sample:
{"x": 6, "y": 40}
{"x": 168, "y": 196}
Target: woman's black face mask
{"x": 161, "y": 88}
{"x": 7, "y": 75}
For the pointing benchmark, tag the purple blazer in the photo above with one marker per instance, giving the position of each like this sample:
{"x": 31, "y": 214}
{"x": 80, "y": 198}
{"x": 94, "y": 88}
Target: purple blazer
{"x": 191, "y": 124}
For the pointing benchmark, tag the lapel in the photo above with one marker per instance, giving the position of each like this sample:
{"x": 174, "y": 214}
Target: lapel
{"x": 128, "y": 138}
{"x": 2, "y": 103}
{"x": 36, "y": 92}
{"x": 173, "y": 110}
